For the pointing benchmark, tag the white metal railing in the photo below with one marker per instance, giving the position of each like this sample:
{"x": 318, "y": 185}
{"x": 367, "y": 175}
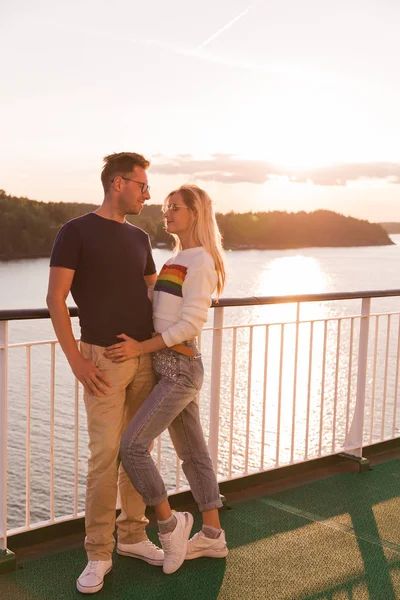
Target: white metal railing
{"x": 280, "y": 389}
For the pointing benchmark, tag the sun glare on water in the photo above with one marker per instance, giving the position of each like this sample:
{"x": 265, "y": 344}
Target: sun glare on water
{"x": 289, "y": 275}
{"x": 292, "y": 275}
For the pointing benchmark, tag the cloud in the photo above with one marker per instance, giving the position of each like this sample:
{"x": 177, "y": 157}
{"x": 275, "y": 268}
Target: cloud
{"x": 228, "y": 168}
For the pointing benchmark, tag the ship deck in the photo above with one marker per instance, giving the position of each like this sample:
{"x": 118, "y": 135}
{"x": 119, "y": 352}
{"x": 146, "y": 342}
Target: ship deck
{"x": 333, "y": 537}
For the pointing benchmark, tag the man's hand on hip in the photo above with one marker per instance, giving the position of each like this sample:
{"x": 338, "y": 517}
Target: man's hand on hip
{"x": 90, "y": 377}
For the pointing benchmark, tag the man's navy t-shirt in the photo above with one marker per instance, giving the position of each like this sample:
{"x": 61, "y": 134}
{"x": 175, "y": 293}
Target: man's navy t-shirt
{"x": 110, "y": 260}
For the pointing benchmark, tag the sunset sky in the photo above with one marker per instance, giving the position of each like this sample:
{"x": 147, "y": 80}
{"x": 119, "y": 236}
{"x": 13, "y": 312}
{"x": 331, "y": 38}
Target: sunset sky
{"x": 271, "y": 105}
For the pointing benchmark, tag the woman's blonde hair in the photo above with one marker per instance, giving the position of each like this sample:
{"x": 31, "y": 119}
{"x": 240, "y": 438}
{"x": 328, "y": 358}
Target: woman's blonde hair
{"x": 204, "y": 227}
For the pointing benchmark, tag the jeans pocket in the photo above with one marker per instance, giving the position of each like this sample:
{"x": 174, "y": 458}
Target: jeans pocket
{"x": 165, "y": 364}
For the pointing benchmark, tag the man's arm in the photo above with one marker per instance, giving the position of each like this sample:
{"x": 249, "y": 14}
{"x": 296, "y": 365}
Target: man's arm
{"x": 150, "y": 282}
{"x": 150, "y": 279}
{"x": 60, "y": 281}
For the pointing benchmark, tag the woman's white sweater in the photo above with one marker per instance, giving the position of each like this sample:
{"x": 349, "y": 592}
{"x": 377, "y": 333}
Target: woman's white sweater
{"x": 182, "y": 295}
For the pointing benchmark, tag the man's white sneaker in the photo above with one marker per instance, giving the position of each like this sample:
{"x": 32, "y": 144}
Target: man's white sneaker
{"x": 145, "y": 550}
{"x": 175, "y": 543}
{"x": 91, "y": 579}
{"x": 200, "y": 545}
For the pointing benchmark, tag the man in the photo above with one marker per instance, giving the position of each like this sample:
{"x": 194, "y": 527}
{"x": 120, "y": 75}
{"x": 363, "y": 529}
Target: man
{"x": 107, "y": 264}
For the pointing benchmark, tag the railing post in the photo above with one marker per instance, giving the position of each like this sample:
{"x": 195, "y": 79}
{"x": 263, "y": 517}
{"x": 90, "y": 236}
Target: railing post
{"x": 215, "y": 385}
{"x": 7, "y": 558}
{"x": 356, "y": 431}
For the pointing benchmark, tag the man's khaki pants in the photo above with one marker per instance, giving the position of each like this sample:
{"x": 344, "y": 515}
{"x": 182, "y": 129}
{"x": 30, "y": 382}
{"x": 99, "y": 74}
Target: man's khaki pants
{"x": 107, "y": 418}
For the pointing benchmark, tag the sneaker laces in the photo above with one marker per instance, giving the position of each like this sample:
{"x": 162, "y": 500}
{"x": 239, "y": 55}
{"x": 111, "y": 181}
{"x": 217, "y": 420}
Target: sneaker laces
{"x": 149, "y": 543}
{"x": 153, "y": 547}
{"x": 167, "y": 544}
{"x": 92, "y": 565}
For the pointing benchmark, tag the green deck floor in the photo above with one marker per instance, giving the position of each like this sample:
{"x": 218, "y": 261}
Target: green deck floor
{"x": 335, "y": 539}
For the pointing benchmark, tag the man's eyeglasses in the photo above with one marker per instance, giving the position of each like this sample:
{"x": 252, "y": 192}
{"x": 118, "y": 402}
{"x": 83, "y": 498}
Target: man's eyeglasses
{"x": 145, "y": 186}
{"x": 173, "y": 207}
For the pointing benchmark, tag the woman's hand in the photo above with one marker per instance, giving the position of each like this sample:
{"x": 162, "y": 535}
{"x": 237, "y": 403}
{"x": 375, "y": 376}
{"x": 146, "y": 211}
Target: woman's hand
{"x": 125, "y": 350}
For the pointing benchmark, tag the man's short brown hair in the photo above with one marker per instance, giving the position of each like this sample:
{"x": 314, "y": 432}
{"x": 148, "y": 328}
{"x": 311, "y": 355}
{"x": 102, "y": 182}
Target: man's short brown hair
{"x": 121, "y": 163}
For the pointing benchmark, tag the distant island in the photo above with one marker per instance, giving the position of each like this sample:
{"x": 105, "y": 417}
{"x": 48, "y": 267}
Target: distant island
{"x": 391, "y": 227}
{"x": 28, "y": 228}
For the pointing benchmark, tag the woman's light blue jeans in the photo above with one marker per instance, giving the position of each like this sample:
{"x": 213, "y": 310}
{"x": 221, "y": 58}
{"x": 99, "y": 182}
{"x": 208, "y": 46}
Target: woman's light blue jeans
{"x": 172, "y": 404}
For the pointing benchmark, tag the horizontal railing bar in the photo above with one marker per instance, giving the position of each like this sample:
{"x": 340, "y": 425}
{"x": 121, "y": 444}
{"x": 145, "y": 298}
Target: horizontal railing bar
{"x": 21, "y": 314}
{"x": 40, "y": 343}
{"x": 305, "y": 322}
{"x": 46, "y": 523}
{"x": 227, "y": 327}
{"x": 43, "y": 313}
{"x": 257, "y": 300}
{"x": 295, "y": 462}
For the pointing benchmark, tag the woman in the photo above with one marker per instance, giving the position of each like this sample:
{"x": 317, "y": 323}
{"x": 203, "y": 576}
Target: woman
{"x": 181, "y": 299}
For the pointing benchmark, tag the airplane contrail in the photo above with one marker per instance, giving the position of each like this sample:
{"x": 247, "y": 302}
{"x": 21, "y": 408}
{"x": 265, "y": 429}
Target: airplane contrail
{"x": 224, "y": 28}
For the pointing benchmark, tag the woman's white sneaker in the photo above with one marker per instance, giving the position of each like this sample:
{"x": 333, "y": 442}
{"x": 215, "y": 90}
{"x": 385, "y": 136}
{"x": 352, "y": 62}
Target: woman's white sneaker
{"x": 200, "y": 545}
{"x": 91, "y": 579}
{"x": 175, "y": 543}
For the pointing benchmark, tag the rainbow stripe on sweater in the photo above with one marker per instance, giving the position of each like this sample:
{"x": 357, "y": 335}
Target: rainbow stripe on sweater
{"x": 170, "y": 280}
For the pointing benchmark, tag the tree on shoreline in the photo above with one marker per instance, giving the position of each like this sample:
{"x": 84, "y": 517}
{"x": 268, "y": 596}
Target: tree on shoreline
{"x": 28, "y": 227}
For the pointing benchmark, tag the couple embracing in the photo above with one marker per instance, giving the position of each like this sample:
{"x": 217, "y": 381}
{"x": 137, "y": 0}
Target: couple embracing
{"x": 139, "y": 364}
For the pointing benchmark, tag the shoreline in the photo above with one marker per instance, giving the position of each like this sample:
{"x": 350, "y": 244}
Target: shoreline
{"x": 239, "y": 247}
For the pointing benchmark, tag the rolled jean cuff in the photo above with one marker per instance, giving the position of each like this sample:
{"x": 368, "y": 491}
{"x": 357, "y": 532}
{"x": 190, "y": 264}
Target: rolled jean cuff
{"x": 133, "y": 538}
{"x": 210, "y": 505}
{"x": 155, "y": 501}
{"x": 99, "y": 555}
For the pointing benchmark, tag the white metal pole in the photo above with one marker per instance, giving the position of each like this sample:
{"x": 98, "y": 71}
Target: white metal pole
{"x": 215, "y": 385}
{"x": 248, "y": 411}
{"x": 294, "y": 397}
{"x": 3, "y": 432}
{"x": 355, "y": 437}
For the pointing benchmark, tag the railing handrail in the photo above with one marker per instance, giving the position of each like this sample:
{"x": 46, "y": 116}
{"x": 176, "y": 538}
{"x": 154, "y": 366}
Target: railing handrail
{"x": 291, "y": 298}
{"x": 19, "y": 314}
